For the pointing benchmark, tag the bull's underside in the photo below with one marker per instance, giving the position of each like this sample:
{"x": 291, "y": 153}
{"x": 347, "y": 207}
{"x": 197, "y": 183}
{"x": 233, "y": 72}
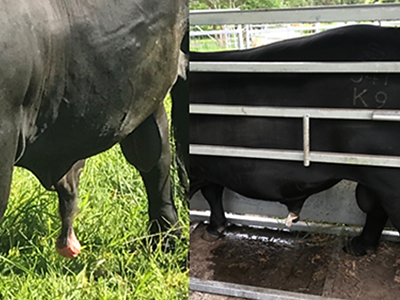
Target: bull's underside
{"x": 76, "y": 79}
{"x": 289, "y": 182}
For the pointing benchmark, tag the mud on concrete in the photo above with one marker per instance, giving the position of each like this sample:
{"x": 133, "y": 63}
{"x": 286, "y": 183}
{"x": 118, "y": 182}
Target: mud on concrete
{"x": 297, "y": 262}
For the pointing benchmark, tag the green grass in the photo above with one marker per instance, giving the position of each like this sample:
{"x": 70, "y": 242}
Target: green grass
{"x": 116, "y": 262}
{"x": 207, "y": 45}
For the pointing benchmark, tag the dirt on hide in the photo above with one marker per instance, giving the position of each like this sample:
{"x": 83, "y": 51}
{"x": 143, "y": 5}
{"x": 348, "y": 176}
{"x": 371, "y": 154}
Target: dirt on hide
{"x": 297, "y": 262}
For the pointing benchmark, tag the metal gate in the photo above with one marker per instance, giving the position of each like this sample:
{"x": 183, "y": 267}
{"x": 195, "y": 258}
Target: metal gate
{"x": 324, "y": 208}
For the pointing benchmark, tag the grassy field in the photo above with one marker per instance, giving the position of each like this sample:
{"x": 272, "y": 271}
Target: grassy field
{"x": 116, "y": 262}
{"x": 207, "y": 45}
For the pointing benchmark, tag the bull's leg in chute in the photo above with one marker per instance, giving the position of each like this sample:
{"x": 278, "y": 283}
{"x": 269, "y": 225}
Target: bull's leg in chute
{"x": 213, "y": 194}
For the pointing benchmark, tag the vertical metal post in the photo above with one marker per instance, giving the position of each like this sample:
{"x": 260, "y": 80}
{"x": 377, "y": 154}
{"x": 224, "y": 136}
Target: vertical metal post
{"x": 226, "y": 36}
{"x": 240, "y": 36}
{"x": 317, "y": 27}
{"x": 306, "y": 140}
{"x": 247, "y": 28}
{"x": 288, "y": 30}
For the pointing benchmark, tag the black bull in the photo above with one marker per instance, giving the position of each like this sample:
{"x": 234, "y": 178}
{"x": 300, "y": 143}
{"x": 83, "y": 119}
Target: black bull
{"x": 77, "y": 78}
{"x": 378, "y": 191}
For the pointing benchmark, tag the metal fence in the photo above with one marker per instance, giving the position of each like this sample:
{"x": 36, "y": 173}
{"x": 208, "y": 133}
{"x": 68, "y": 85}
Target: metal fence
{"x": 245, "y": 36}
{"x": 377, "y": 13}
{"x": 328, "y": 205}
{"x": 252, "y": 33}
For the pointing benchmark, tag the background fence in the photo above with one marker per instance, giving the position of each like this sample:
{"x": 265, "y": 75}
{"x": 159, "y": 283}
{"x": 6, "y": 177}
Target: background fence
{"x": 248, "y": 35}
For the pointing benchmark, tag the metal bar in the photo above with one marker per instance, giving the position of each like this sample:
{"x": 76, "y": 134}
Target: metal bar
{"x": 202, "y": 11}
{"x": 248, "y": 292}
{"x": 240, "y": 37}
{"x": 306, "y": 140}
{"x": 209, "y": 32}
{"x": 373, "y": 12}
{"x": 297, "y": 155}
{"x": 247, "y": 30}
{"x": 293, "y": 155}
{"x": 296, "y": 112}
{"x": 386, "y": 115}
{"x": 303, "y": 226}
{"x": 355, "y": 159}
{"x": 296, "y": 67}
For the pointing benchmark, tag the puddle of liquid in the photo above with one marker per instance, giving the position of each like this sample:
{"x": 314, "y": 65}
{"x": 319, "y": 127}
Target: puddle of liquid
{"x": 253, "y": 237}
{"x": 270, "y": 258}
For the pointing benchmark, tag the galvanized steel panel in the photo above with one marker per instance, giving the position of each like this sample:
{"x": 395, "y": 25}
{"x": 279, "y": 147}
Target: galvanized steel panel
{"x": 303, "y": 226}
{"x": 248, "y": 292}
{"x": 374, "y": 12}
{"x": 296, "y": 112}
{"x": 296, "y": 67}
{"x": 297, "y": 155}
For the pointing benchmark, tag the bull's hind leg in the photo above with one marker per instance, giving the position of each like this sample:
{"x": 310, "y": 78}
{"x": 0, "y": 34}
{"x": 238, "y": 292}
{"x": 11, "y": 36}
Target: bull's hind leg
{"x": 390, "y": 201}
{"x": 213, "y": 194}
{"x": 147, "y": 148}
{"x": 67, "y": 190}
{"x": 368, "y": 241}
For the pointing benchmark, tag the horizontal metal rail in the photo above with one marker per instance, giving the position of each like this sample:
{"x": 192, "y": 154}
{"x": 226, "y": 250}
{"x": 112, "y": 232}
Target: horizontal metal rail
{"x": 248, "y": 292}
{"x": 302, "y": 226}
{"x": 373, "y": 12}
{"x": 313, "y": 14}
{"x": 210, "y": 32}
{"x": 294, "y": 112}
{"x": 306, "y": 155}
{"x": 296, "y": 67}
{"x": 297, "y": 155}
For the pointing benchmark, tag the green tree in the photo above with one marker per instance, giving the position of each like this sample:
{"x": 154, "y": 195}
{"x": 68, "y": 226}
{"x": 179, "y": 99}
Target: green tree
{"x": 299, "y": 3}
{"x": 254, "y": 4}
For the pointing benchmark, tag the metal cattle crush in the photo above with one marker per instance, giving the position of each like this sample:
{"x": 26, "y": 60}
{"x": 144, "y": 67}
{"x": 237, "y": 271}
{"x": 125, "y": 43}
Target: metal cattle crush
{"x": 319, "y": 207}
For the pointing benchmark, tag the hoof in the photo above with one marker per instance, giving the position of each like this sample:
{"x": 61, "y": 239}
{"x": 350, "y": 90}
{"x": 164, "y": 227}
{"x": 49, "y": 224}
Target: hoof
{"x": 213, "y": 235}
{"x": 355, "y": 248}
{"x": 72, "y": 249}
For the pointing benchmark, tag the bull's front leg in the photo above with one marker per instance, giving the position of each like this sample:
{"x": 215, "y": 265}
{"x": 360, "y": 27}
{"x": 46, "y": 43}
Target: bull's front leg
{"x": 8, "y": 153}
{"x": 147, "y": 148}
{"x": 213, "y": 194}
{"x": 67, "y": 189}
{"x": 6, "y": 169}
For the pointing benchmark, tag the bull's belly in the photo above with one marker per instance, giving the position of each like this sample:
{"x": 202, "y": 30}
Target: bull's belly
{"x": 262, "y": 179}
{"x": 71, "y": 138}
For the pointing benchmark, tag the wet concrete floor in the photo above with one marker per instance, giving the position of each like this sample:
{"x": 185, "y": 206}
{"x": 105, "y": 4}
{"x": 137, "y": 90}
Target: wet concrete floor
{"x": 298, "y": 262}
